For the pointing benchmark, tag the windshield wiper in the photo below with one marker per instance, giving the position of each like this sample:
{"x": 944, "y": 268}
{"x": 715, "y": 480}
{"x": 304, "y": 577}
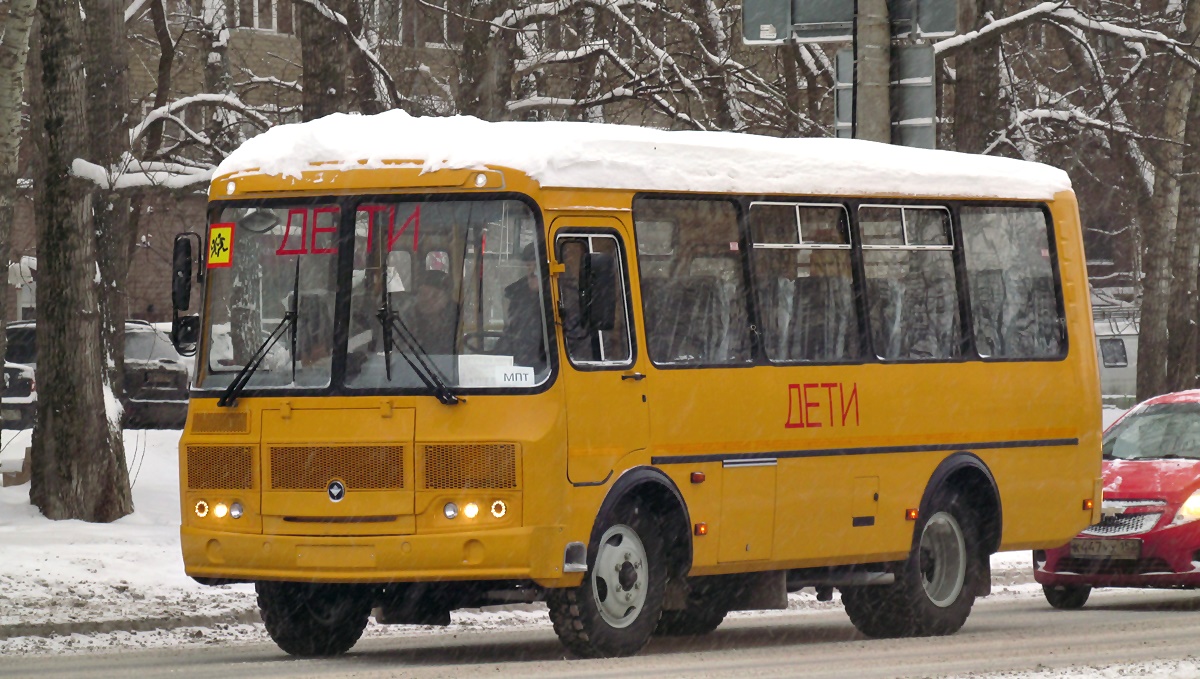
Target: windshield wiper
{"x": 229, "y": 398}
{"x": 423, "y": 365}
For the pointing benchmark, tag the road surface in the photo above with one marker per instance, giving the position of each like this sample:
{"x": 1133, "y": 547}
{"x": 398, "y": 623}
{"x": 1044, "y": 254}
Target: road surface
{"x": 1002, "y": 634}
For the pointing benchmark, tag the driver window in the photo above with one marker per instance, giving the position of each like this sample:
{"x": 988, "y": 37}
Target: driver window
{"x": 587, "y": 347}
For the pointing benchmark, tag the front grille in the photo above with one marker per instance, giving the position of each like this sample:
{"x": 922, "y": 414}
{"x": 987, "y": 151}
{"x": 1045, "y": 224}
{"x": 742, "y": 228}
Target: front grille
{"x": 1123, "y": 524}
{"x": 220, "y": 467}
{"x": 478, "y": 465}
{"x": 221, "y": 423}
{"x": 359, "y": 467}
{"x": 1112, "y": 566}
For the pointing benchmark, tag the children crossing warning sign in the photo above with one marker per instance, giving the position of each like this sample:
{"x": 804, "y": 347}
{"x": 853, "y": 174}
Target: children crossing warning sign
{"x": 220, "y": 245}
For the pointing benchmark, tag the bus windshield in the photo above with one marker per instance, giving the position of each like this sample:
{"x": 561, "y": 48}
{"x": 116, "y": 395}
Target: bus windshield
{"x": 446, "y": 293}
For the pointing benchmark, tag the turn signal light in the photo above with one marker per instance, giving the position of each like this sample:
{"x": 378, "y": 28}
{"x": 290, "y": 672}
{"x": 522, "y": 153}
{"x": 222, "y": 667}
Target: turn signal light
{"x": 701, "y": 529}
{"x": 499, "y": 509}
{"x": 910, "y": 514}
{"x": 202, "y": 509}
{"x": 1089, "y": 504}
{"x": 697, "y": 477}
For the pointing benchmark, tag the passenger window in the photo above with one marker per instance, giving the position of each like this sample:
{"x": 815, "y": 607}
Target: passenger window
{"x": 1112, "y": 352}
{"x": 912, "y": 297}
{"x": 584, "y": 346}
{"x": 1014, "y": 303}
{"x": 693, "y": 293}
{"x": 803, "y": 282}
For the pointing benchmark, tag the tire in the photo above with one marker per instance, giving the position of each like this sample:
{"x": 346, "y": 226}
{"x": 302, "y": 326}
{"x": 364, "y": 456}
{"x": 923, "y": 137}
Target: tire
{"x": 1067, "y": 597}
{"x": 707, "y": 606}
{"x": 933, "y": 593}
{"x": 311, "y": 620}
{"x": 616, "y": 608}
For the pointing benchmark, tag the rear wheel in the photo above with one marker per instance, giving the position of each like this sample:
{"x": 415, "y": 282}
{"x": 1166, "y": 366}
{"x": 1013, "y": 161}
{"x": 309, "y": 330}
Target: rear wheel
{"x": 932, "y": 595}
{"x": 1067, "y": 597}
{"x": 617, "y": 607}
{"x": 313, "y": 620}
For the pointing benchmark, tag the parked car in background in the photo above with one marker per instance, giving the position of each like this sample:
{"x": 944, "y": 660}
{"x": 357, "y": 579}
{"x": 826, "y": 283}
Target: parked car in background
{"x": 19, "y": 405}
{"x": 1150, "y": 532}
{"x": 156, "y": 378}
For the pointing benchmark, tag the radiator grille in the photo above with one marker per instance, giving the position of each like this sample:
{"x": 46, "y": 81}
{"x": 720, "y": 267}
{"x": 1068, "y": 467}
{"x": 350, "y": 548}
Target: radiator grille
{"x": 359, "y": 467}
{"x": 220, "y": 467}
{"x": 221, "y": 423}
{"x": 483, "y": 465}
{"x": 1123, "y": 524}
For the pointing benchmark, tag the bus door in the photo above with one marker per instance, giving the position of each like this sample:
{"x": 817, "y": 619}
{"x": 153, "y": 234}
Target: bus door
{"x": 605, "y": 385}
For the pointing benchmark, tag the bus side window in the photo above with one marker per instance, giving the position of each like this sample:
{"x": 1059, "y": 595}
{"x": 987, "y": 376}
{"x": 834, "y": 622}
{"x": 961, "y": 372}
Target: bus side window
{"x": 912, "y": 297}
{"x": 1014, "y": 302}
{"x": 694, "y": 297}
{"x": 584, "y": 346}
{"x": 803, "y": 281}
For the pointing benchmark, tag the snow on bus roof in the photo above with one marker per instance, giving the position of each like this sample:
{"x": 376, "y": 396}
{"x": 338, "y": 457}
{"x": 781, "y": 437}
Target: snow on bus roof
{"x": 594, "y": 155}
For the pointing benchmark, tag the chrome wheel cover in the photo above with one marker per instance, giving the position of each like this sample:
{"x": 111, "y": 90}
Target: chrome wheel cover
{"x": 619, "y": 578}
{"x": 942, "y": 559}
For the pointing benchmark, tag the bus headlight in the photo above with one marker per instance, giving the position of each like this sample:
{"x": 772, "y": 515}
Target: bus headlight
{"x": 202, "y": 509}
{"x": 499, "y": 509}
{"x": 235, "y": 510}
{"x": 1189, "y": 511}
{"x": 471, "y": 510}
{"x": 450, "y": 510}
{"x": 220, "y": 510}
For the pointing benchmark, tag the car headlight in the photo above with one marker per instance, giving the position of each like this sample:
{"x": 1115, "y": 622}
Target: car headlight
{"x": 1189, "y": 511}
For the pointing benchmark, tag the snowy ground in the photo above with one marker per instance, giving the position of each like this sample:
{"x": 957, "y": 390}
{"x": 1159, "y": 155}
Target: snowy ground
{"x": 71, "y": 586}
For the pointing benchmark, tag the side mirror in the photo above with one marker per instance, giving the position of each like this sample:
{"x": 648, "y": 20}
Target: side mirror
{"x": 598, "y": 291}
{"x": 185, "y": 334}
{"x": 181, "y": 274}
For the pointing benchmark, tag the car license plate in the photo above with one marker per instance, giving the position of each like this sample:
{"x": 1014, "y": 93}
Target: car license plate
{"x": 1106, "y": 549}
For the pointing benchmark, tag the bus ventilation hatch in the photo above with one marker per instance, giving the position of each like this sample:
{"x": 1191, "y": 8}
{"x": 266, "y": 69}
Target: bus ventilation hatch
{"x": 478, "y": 465}
{"x": 359, "y": 467}
{"x": 220, "y": 467}
{"x": 220, "y": 423}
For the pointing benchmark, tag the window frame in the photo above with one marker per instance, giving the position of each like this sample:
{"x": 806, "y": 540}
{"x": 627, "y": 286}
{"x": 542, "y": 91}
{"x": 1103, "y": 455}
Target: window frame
{"x": 567, "y": 232}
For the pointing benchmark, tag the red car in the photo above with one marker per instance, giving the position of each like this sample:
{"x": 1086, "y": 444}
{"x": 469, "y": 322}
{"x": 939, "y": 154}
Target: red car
{"x": 1150, "y": 533}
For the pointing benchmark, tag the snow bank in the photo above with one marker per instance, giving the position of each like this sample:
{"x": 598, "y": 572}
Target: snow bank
{"x": 592, "y": 155}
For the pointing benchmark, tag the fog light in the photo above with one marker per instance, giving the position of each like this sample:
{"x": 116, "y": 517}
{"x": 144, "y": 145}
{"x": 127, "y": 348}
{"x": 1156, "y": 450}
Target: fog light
{"x": 499, "y": 509}
{"x": 202, "y": 509}
{"x": 471, "y": 510}
{"x": 235, "y": 510}
{"x": 450, "y": 510}
{"x": 220, "y": 510}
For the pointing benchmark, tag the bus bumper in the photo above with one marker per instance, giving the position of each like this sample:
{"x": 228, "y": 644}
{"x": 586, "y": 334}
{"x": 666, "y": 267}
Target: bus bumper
{"x": 511, "y": 554}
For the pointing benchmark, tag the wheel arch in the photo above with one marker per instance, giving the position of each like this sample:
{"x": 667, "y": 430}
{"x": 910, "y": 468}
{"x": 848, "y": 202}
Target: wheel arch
{"x": 660, "y": 495}
{"x": 966, "y": 474}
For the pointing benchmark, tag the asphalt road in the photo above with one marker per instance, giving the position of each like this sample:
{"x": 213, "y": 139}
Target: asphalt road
{"x": 1001, "y": 635}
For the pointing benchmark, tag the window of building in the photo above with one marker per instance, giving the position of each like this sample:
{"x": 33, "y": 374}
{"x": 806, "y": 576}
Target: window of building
{"x": 1014, "y": 302}
{"x": 1112, "y": 352}
{"x": 912, "y": 298}
{"x": 266, "y": 15}
{"x": 803, "y": 282}
{"x": 694, "y": 295}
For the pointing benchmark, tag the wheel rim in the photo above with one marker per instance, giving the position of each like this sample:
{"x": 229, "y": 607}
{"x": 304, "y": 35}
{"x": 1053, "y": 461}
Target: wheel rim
{"x": 619, "y": 577}
{"x": 943, "y": 559}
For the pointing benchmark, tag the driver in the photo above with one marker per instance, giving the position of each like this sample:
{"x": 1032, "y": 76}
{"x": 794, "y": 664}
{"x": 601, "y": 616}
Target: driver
{"x": 434, "y": 316}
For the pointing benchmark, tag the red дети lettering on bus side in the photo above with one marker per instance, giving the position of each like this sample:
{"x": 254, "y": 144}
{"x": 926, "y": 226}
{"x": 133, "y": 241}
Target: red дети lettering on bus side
{"x": 805, "y": 405}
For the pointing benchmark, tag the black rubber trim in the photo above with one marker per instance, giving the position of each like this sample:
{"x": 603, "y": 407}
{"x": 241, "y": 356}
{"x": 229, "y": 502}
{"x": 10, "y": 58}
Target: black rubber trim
{"x": 863, "y": 521}
{"x": 870, "y": 450}
{"x": 587, "y": 484}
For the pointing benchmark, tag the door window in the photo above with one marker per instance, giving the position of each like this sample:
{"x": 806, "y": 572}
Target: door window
{"x": 587, "y": 347}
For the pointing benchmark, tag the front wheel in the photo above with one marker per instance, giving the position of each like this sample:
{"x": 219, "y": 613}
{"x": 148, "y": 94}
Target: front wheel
{"x": 1067, "y": 597}
{"x": 933, "y": 592}
{"x": 617, "y": 607}
{"x": 312, "y": 620}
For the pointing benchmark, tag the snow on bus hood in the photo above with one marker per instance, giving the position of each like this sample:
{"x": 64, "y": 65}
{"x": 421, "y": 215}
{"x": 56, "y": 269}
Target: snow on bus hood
{"x": 593, "y": 155}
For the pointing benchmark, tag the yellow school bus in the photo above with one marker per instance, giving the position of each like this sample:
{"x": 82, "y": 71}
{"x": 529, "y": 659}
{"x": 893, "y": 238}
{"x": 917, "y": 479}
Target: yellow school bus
{"x": 647, "y": 377}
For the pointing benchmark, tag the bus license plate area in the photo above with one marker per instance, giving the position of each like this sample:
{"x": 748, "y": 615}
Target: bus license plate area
{"x": 1106, "y": 549}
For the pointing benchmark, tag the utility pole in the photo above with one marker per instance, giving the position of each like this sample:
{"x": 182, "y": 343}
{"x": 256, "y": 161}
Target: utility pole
{"x": 873, "y": 68}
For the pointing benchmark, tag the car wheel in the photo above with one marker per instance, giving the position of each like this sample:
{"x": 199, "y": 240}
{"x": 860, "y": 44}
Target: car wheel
{"x": 616, "y": 608}
{"x": 313, "y": 620}
{"x": 1067, "y": 597}
{"x": 933, "y": 593}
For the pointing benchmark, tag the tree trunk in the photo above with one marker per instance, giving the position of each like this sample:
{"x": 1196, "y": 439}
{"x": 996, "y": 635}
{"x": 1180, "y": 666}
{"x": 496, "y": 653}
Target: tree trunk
{"x": 486, "y": 65}
{"x": 872, "y": 108}
{"x": 75, "y": 475}
{"x": 1185, "y": 263}
{"x": 977, "y": 115}
{"x": 323, "y": 56}
{"x": 14, "y": 49}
